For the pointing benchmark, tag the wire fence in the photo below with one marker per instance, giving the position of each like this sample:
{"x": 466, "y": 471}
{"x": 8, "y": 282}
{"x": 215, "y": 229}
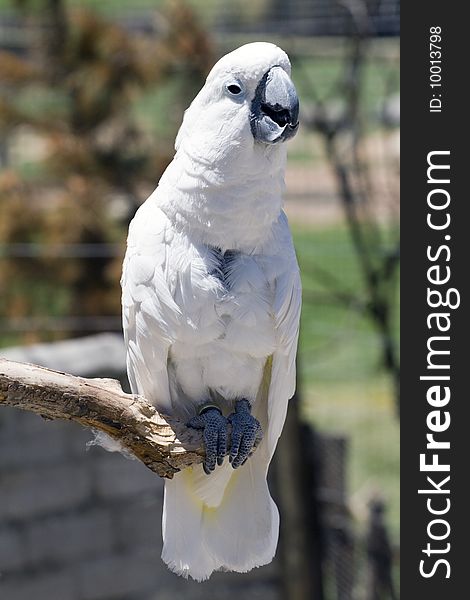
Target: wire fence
{"x": 274, "y": 17}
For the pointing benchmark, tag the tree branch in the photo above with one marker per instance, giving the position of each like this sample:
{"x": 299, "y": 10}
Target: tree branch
{"x": 164, "y": 444}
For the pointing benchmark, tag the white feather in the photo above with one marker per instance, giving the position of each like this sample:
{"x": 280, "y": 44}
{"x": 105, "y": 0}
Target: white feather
{"x": 197, "y": 328}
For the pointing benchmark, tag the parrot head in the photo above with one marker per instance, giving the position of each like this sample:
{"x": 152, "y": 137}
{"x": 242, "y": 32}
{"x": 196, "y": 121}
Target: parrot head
{"x": 226, "y": 180}
{"x": 248, "y": 99}
{"x": 257, "y": 77}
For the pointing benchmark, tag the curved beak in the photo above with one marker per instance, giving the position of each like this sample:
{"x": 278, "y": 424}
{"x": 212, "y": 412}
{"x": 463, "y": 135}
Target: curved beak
{"x": 275, "y": 108}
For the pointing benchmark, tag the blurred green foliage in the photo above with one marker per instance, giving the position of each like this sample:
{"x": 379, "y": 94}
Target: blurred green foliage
{"x": 322, "y": 74}
{"x": 332, "y": 333}
{"x": 344, "y": 386}
{"x": 88, "y": 160}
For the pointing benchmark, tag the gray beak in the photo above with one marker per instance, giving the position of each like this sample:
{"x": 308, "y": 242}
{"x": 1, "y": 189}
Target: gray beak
{"x": 275, "y": 108}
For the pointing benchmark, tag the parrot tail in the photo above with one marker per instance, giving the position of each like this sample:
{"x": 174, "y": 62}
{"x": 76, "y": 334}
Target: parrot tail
{"x": 237, "y": 535}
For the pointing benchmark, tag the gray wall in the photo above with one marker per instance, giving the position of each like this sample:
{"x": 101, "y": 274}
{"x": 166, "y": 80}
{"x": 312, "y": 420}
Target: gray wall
{"x": 84, "y": 524}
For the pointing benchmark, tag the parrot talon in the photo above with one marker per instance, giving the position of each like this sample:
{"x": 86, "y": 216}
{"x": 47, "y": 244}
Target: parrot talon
{"x": 214, "y": 424}
{"x": 246, "y": 433}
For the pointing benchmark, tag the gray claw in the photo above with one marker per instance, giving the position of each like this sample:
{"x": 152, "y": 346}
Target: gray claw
{"x": 214, "y": 424}
{"x": 246, "y": 433}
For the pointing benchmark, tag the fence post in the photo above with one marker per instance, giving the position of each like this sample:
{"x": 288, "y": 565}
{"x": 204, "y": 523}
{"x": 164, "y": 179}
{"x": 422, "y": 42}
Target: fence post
{"x": 339, "y": 551}
{"x": 300, "y": 542}
{"x": 379, "y": 554}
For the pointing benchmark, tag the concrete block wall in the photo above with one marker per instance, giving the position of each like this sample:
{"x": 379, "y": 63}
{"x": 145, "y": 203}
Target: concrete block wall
{"x": 85, "y": 524}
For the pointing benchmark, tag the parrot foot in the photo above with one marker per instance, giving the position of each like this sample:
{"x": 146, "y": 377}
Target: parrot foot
{"x": 246, "y": 433}
{"x": 214, "y": 424}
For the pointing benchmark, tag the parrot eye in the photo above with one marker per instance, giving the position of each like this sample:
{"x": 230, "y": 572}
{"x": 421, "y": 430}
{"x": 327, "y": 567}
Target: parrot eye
{"x": 234, "y": 89}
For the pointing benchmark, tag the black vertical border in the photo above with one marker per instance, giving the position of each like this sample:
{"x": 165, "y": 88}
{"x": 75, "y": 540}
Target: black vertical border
{"x": 423, "y": 132}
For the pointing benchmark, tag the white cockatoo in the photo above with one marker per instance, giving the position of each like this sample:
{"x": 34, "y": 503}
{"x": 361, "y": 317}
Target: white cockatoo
{"x": 211, "y": 305}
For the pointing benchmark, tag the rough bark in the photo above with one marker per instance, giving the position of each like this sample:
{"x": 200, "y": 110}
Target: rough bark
{"x": 164, "y": 444}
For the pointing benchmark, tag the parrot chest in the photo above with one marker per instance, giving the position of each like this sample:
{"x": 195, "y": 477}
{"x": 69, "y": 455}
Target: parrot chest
{"x": 228, "y": 305}
{"x": 244, "y": 307}
{"x": 227, "y": 328}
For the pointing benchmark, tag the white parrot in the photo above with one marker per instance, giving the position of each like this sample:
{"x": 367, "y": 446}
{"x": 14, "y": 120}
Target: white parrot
{"x": 211, "y": 300}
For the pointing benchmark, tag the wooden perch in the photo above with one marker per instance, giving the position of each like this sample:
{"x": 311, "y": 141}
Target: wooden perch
{"x": 164, "y": 444}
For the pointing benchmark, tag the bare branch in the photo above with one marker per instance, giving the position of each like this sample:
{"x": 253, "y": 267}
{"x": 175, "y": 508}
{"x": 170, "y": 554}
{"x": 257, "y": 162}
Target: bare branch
{"x": 164, "y": 444}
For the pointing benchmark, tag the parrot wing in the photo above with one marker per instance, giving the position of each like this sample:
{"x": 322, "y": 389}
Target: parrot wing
{"x": 287, "y": 305}
{"x": 149, "y": 312}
